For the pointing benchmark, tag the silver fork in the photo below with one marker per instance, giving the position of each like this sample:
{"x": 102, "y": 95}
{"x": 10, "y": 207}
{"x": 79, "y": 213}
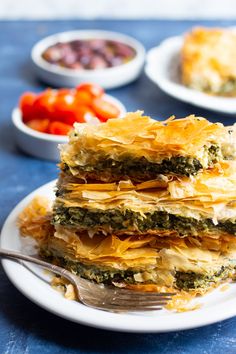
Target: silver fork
{"x": 102, "y": 297}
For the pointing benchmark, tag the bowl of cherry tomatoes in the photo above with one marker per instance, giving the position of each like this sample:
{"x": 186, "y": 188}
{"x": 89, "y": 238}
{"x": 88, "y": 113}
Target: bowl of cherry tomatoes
{"x": 42, "y": 121}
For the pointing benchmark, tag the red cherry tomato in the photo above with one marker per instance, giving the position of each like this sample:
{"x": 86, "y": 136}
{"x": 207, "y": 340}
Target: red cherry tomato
{"x": 83, "y": 114}
{"x": 105, "y": 110}
{"x": 41, "y": 125}
{"x": 83, "y": 97}
{"x": 59, "y": 128}
{"x": 26, "y": 105}
{"x": 44, "y": 104}
{"x": 64, "y": 102}
{"x": 64, "y": 108}
{"x": 64, "y": 91}
{"x": 94, "y": 89}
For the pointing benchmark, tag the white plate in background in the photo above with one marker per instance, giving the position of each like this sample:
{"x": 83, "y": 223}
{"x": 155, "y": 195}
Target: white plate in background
{"x": 163, "y": 68}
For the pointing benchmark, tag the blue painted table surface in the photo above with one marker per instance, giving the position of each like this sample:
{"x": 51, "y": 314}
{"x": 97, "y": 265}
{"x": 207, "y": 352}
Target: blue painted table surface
{"x": 25, "y": 327}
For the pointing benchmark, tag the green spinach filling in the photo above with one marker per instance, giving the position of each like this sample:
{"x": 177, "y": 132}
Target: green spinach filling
{"x": 135, "y": 167}
{"x": 142, "y": 169}
{"x": 228, "y": 88}
{"x": 128, "y": 220}
{"x": 183, "y": 280}
{"x": 191, "y": 280}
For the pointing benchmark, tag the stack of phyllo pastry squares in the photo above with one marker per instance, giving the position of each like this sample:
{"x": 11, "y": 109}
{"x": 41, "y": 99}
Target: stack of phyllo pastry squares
{"x": 146, "y": 204}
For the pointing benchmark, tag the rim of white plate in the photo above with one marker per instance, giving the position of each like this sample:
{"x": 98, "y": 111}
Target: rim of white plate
{"x": 162, "y": 67}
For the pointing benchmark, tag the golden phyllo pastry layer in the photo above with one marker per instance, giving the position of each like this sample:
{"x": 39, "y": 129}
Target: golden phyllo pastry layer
{"x": 208, "y": 60}
{"x": 139, "y": 148}
{"x": 203, "y": 205}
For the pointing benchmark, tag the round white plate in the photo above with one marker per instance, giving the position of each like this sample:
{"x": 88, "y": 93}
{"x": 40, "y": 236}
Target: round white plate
{"x": 33, "y": 282}
{"x": 163, "y": 68}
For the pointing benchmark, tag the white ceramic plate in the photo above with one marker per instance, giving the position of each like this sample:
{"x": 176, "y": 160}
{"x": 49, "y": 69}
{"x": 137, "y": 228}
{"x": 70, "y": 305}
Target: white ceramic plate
{"x": 34, "y": 284}
{"x": 163, "y": 68}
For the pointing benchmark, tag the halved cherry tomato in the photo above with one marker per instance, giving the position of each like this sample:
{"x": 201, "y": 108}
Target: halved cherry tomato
{"x": 104, "y": 110}
{"x": 41, "y": 125}
{"x": 64, "y": 108}
{"x": 83, "y": 97}
{"x": 44, "y": 104}
{"x": 59, "y": 128}
{"x": 64, "y": 91}
{"x": 64, "y": 101}
{"x": 26, "y": 105}
{"x": 94, "y": 89}
{"x": 83, "y": 114}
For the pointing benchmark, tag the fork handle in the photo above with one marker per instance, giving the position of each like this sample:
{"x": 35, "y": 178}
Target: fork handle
{"x": 54, "y": 268}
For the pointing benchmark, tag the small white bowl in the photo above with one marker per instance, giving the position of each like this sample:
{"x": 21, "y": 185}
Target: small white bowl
{"x": 42, "y": 145}
{"x": 163, "y": 68}
{"x": 107, "y": 78}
